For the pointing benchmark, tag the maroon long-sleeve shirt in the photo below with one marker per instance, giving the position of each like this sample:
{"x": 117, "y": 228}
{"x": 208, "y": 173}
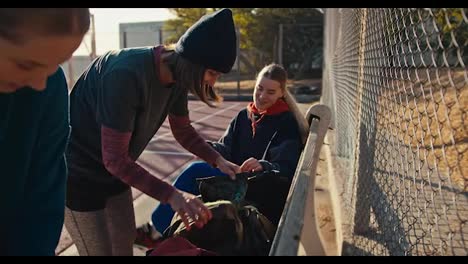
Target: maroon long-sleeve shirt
{"x": 117, "y": 160}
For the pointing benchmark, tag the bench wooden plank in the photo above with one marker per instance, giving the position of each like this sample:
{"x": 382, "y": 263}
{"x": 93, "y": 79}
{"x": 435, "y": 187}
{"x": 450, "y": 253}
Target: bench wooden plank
{"x": 300, "y": 206}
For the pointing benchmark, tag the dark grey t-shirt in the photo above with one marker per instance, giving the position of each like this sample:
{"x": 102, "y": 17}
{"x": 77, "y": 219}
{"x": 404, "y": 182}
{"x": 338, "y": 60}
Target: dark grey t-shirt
{"x": 119, "y": 90}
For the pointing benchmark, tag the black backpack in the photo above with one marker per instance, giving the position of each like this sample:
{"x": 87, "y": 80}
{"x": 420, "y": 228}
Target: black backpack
{"x": 238, "y": 226}
{"x": 266, "y": 190}
{"x": 233, "y": 231}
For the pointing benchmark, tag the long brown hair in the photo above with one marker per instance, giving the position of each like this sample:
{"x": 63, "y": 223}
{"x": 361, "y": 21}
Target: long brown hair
{"x": 17, "y": 23}
{"x": 189, "y": 76}
{"x": 277, "y": 73}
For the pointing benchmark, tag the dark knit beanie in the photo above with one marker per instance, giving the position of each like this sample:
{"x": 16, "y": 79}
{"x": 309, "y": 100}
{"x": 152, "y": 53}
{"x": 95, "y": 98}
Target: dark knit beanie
{"x": 211, "y": 42}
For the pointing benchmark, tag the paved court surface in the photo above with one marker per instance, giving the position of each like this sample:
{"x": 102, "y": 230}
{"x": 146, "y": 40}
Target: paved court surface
{"x": 165, "y": 158}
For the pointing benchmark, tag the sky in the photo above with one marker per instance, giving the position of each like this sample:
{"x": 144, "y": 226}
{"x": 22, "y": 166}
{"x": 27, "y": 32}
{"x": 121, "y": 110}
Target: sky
{"x": 107, "y": 25}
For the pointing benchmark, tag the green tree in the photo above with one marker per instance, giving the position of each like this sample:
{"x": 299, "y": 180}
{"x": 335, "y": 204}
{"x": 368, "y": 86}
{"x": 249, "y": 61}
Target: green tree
{"x": 258, "y": 29}
{"x": 302, "y": 35}
{"x": 453, "y": 31}
{"x": 185, "y": 18}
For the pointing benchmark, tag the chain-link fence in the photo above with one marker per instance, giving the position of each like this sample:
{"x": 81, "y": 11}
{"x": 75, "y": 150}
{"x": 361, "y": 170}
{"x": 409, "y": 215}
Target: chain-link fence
{"x": 397, "y": 83}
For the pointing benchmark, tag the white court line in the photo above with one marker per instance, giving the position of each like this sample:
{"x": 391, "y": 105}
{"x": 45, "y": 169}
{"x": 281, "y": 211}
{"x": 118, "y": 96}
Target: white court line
{"x": 201, "y": 107}
{"x": 198, "y": 121}
{"x": 196, "y": 109}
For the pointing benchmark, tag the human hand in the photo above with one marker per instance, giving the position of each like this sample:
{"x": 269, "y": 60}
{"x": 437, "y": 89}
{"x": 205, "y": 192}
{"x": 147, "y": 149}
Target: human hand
{"x": 227, "y": 167}
{"x": 251, "y": 164}
{"x": 189, "y": 207}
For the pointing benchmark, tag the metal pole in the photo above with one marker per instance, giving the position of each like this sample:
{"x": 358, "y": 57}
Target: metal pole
{"x": 280, "y": 45}
{"x": 93, "y": 39}
{"x": 160, "y": 36}
{"x": 124, "y": 36}
{"x": 238, "y": 63}
{"x": 70, "y": 74}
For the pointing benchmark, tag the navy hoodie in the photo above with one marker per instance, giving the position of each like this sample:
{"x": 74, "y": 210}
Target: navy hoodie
{"x": 276, "y": 144}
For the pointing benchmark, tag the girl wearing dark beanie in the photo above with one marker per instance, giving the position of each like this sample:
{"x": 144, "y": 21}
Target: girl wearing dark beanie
{"x": 116, "y": 107}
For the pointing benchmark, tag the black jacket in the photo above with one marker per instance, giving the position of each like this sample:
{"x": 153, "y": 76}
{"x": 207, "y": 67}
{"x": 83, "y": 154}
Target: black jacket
{"x": 237, "y": 144}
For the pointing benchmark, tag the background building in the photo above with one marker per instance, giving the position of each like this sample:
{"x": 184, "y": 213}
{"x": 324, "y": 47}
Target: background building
{"x": 139, "y": 34}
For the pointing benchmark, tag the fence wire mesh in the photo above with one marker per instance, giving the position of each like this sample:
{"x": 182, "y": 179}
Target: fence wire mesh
{"x": 397, "y": 83}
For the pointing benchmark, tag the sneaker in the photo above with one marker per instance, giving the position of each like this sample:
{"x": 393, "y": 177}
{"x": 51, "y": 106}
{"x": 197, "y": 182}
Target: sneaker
{"x": 146, "y": 235}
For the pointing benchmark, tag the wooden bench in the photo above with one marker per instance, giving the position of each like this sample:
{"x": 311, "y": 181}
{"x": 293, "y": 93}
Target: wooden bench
{"x": 310, "y": 223}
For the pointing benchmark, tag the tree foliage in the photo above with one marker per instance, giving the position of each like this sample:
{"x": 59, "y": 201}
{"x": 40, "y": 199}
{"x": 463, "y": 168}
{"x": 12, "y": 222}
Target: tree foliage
{"x": 259, "y": 30}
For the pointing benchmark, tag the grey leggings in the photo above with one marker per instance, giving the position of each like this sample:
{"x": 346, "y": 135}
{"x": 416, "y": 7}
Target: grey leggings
{"x": 107, "y": 232}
